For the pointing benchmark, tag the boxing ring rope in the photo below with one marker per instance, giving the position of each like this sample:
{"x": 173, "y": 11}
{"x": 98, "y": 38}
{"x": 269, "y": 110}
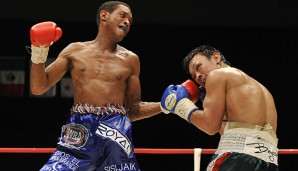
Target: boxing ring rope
{"x": 197, "y": 152}
{"x": 137, "y": 150}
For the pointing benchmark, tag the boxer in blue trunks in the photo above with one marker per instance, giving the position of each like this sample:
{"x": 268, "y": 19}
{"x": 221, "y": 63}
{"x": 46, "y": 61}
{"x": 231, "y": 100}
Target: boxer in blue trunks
{"x": 107, "y": 92}
{"x": 97, "y": 140}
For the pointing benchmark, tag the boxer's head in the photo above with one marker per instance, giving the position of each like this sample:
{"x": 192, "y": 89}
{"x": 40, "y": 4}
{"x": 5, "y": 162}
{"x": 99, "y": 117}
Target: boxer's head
{"x": 109, "y": 6}
{"x": 204, "y": 50}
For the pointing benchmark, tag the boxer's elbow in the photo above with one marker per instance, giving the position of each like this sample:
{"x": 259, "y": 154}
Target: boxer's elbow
{"x": 211, "y": 129}
{"x": 36, "y": 87}
{"x": 35, "y": 90}
{"x": 133, "y": 114}
{"x": 133, "y": 117}
{"x": 204, "y": 122}
{"x": 211, "y": 132}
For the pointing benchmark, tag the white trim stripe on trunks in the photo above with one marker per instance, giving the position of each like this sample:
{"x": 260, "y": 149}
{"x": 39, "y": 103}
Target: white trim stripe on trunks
{"x": 98, "y": 110}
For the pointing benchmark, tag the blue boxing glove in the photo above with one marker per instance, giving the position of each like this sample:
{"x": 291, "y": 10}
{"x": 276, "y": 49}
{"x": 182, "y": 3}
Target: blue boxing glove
{"x": 175, "y": 99}
{"x": 202, "y": 93}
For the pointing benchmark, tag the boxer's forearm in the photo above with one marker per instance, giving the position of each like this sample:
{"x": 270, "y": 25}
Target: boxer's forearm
{"x": 38, "y": 79}
{"x": 144, "y": 110}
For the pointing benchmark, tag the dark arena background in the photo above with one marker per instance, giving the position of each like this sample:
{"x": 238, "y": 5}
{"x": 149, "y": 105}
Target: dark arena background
{"x": 259, "y": 37}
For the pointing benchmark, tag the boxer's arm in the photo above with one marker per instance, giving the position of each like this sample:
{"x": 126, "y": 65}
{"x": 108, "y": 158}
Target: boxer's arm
{"x": 138, "y": 109}
{"x": 210, "y": 118}
{"x": 41, "y": 78}
{"x": 42, "y": 36}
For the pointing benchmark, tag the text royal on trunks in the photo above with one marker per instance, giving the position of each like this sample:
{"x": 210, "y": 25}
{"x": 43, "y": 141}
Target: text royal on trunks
{"x": 116, "y": 136}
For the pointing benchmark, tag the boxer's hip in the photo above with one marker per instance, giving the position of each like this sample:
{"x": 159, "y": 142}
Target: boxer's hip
{"x": 260, "y": 142}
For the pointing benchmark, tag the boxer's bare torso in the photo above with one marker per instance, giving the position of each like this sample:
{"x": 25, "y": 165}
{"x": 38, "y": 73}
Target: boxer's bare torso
{"x": 100, "y": 77}
{"x": 231, "y": 95}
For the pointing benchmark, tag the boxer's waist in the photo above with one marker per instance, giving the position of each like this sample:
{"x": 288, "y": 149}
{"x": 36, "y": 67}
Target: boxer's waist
{"x": 98, "y": 110}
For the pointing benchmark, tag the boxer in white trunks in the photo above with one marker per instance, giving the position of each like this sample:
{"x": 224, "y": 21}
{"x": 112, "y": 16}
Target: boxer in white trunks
{"x": 236, "y": 105}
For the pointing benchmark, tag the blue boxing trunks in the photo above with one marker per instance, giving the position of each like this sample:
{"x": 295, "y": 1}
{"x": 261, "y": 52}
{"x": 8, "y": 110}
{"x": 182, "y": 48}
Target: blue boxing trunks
{"x": 95, "y": 139}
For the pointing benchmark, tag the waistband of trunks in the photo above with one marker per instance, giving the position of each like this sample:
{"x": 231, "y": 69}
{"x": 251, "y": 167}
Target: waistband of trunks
{"x": 110, "y": 108}
{"x": 239, "y": 126}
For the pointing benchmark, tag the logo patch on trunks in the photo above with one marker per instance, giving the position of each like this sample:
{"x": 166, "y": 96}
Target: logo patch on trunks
{"x": 116, "y": 136}
{"x": 73, "y": 136}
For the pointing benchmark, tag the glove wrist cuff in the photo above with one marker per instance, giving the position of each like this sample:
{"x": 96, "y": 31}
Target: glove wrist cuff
{"x": 39, "y": 54}
{"x": 164, "y": 110}
{"x": 185, "y": 108}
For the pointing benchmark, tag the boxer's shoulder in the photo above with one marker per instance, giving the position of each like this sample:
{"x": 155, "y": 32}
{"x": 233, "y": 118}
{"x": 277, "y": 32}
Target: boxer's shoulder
{"x": 125, "y": 52}
{"x": 72, "y": 48}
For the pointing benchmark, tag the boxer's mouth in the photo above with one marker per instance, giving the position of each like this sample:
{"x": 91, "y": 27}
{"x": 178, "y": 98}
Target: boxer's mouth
{"x": 123, "y": 28}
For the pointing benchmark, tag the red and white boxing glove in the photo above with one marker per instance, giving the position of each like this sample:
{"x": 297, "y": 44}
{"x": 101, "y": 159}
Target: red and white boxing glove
{"x": 42, "y": 36}
{"x": 192, "y": 89}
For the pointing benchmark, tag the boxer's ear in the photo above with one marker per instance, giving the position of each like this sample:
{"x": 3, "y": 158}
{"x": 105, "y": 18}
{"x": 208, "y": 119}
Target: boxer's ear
{"x": 217, "y": 57}
{"x": 104, "y": 14}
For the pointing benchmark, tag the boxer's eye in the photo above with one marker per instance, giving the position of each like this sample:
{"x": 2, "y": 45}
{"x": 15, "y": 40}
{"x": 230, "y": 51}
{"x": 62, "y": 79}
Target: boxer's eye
{"x": 197, "y": 66}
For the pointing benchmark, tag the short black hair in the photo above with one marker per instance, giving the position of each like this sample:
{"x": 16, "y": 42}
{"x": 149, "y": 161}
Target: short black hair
{"x": 204, "y": 50}
{"x": 109, "y": 6}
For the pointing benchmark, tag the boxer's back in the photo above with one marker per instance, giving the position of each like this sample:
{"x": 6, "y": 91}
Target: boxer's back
{"x": 248, "y": 101}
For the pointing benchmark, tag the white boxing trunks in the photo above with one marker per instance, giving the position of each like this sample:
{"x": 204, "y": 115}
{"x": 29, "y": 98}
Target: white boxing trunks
{"x": 246, "y": 147}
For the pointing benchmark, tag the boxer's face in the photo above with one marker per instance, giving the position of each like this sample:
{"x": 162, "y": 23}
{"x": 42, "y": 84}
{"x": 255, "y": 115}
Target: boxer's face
{"x": 121, "y": 20}
{"x": 200, "y": 66}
